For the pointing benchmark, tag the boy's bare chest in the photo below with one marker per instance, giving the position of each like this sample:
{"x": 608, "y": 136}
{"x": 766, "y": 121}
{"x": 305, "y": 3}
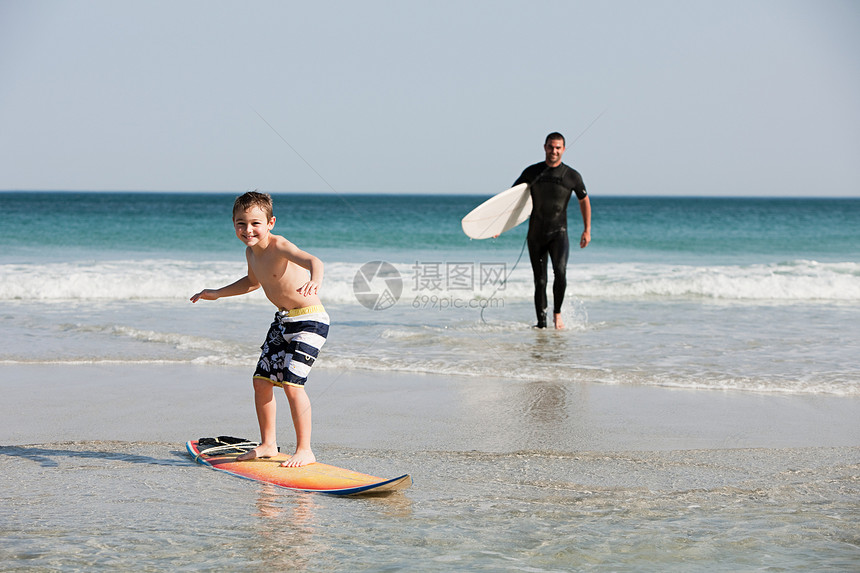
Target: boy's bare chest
{"x": 270, "y": 268}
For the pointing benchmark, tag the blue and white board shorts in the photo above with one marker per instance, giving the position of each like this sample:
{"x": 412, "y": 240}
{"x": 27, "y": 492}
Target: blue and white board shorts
{"x": 292, "y": 345}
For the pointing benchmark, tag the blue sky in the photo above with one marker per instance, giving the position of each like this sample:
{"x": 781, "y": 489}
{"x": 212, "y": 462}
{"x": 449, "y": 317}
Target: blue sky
{"x": 737, "y": 98}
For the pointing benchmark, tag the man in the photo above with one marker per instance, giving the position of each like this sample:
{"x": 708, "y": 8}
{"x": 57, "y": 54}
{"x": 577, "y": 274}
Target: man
{"x": 551, "y": 184}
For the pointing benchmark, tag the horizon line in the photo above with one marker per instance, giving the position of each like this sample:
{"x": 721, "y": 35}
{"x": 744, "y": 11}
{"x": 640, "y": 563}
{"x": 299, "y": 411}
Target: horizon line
{"x": 417, "y": 194}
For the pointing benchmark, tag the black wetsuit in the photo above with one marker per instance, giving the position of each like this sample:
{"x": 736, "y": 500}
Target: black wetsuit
{"x": 550, "y": 188}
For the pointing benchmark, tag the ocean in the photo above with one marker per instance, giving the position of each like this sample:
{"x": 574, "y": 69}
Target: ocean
{"x": 732, "y": 323}
{"x": 751, "y": 294}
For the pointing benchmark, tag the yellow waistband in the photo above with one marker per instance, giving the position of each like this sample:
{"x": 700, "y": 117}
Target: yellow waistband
{"x": 302, "y": 311}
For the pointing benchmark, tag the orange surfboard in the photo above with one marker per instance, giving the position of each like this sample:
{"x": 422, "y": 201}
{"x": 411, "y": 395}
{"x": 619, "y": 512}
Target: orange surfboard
{"x": 220, "y": 453}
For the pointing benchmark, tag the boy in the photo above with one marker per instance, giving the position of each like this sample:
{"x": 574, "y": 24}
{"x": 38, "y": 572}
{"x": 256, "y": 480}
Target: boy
{"x": 298, "y": 331}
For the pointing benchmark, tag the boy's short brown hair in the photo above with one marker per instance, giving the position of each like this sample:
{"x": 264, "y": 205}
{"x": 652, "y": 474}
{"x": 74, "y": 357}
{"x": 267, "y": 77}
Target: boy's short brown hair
{"x": 253, "y": 199}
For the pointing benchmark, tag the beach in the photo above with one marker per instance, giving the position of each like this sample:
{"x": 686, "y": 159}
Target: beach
{"x": 362, "y": 409}
{"x": 699, "y": 412}
{"x": 508, "y": 475}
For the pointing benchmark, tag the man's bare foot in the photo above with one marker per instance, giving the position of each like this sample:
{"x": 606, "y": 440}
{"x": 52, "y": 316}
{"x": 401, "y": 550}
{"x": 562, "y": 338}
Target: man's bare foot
{"x": 260, "y": 451}
{"x": 300, "y": 458}
{"x": 559, "y": 323}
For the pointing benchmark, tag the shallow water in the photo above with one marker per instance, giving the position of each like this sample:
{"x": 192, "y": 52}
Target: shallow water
{"x": 809, "y": 348}
{"x": 530, "y": 451}
{"x": 148, "y": 506}
{"x": 754, "y": 294}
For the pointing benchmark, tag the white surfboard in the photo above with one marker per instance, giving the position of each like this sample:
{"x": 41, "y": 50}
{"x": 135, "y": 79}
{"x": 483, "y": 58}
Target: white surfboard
{"x": 499, "y": 213}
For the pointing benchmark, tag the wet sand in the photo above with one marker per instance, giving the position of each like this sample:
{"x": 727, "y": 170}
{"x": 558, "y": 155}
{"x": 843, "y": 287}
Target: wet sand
{"x": 413, "y": 412}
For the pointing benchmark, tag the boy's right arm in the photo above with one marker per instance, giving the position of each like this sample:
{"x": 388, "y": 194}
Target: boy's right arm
{"x": 241, "y": 286}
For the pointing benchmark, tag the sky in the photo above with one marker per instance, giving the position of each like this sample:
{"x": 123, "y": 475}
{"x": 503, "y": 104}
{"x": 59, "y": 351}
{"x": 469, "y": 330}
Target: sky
{"x": 678, "y": 98}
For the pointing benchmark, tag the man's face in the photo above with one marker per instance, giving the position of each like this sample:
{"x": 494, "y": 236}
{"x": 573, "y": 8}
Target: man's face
{"x": 554, "y": 149}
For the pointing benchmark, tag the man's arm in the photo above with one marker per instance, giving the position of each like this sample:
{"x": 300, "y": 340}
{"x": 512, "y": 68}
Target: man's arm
{"x": 585, "y": 207}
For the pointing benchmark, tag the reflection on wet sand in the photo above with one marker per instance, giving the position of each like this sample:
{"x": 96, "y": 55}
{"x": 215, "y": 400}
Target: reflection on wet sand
{"x": 546, "y": 401}
{"x": 287, "y": 531}
{"x": 288, "y": 535}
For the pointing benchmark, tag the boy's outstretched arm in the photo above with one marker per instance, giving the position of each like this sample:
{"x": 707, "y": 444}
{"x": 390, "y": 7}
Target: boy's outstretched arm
{"x": 241, "y": 286}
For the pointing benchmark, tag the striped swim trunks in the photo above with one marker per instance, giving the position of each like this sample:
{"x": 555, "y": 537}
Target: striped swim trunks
{"x": 292, "y": 345}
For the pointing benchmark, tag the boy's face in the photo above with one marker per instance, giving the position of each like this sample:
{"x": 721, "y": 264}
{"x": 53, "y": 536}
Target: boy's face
{"x": 252, "y": 227}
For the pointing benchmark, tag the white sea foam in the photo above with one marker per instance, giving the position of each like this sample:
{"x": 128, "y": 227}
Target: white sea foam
{"x": 791, "y": 281}
{"x": 154, "y": 279}
{"x": 774, "y": 348}
{"x": 790, "y": 327}
{"x": 763, "y": 313}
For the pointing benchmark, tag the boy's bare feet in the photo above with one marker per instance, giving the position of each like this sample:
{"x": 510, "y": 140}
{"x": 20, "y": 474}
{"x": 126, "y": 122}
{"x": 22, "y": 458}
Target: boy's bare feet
{"x": 260, "y": 451}
{"x": 559, "y": 323}
{"x": 300, "y": 458}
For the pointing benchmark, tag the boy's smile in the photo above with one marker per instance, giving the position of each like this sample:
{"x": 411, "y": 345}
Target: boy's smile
{"x": 252, "y": 227}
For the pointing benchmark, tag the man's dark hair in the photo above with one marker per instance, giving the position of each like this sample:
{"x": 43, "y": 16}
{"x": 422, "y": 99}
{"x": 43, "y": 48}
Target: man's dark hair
{"x": 555, "y": 135}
